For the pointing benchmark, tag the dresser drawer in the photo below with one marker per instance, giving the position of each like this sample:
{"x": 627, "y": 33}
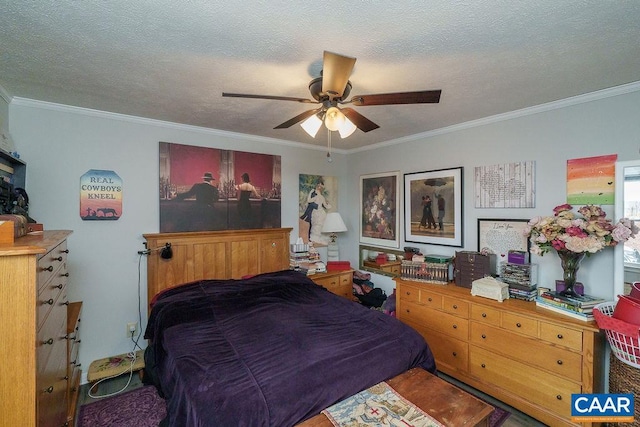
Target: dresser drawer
{"x": 455, "y": 306}
{"x": 523, "y": 325}
{"x": 559, "y": 335}
{"x": 48, "y": 295}
{"x": 547, "y": 391}
{"x": 447, "y": 350}
{"x": 409, "y": 294}
{"x": 52, "y": 407}
{"x": 532, "y": 352}
{"x": 52, "y": 335}
{"x": 483, "y": 313}
{"x": 51, "y": 262}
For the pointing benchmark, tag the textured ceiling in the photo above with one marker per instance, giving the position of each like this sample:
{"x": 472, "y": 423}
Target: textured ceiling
{"x": 171, "y": 60}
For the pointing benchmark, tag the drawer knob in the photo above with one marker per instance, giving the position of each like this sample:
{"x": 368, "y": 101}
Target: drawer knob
{"x": 48, "y": 342}
{"x": 65, "y": 303}
{"x": 484, "y": 336}
{"x": 58, "y": 259}
{"x": 430, "y": 299}
{"x": 455, "y": 307}
{"x": 484, "y": 314}
{"x": 559, "y": 362}
{"x": 559, "y": 397}
{"x": 560, "y": 336}
{"x": 518, "y": 325}
{"x": 65, "y": 275}
{"x": 408, "y": 293}
{"x": 483, "y": 365}
{"x": 455, "y": 326}
{"x": 49, "y": 301}
{"x": 454, "y": 354}
{"x": 49, "y": 389}
{"x": 66, "y": 251}
{"x": 79, "y": 341}
{"x": 50, "y": 268}
{"x": 60, "y": 286}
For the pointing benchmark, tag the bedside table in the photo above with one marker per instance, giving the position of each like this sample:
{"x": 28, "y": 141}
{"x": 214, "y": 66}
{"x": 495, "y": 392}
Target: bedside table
{"x": 392, "y": 267}
{"x": 337, "y": 282}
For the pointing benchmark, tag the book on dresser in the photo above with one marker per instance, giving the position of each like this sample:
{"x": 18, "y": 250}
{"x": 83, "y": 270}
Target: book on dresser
{"x": 548, "y": 305}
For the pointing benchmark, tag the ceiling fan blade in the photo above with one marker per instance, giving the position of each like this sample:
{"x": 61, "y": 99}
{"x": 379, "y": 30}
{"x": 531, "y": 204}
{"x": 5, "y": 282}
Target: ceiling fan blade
{"x": 336, "y": 70}
{"x": 419, "y": 97}
{"x": 361, "y": 122}
{"x": 297, "y": 119}
{"x": 277, "y": 98}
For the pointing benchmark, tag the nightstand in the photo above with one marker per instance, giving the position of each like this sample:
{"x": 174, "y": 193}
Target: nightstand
{"x": 337, "y": 282}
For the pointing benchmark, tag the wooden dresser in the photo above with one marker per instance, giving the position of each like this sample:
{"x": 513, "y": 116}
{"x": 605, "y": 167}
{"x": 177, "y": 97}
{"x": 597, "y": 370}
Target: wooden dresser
{"x": 73, "y": 366}
{"x": 228, "y": 254}
{"x": 527, "y": 357}
{"x": 33, "y": 291}
{"x": 337, "y": 282}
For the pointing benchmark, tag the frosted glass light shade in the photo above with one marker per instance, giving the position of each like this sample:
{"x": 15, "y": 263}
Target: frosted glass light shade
{"x": 334, "y": 119}
{"x": 347, "y": 128}
{"x": 312, "y": 125}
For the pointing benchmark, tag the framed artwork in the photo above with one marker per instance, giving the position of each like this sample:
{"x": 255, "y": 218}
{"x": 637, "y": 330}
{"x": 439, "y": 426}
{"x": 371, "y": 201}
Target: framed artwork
{"x": 317, "y": 196}
{"x": 591, "y": 180}
{"x": 499, "y": 236}
{"x": 509, "y": 185}
{"x": 208, "y": 189}
{"x": 433, "y": 207}
{"x": 379, "y": 206}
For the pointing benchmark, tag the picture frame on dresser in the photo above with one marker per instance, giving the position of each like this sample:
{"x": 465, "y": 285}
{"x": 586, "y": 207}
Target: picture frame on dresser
{"x": 379, "y": 209}
{"x": 499, "y": 236}
{"x": 441, "y": 190}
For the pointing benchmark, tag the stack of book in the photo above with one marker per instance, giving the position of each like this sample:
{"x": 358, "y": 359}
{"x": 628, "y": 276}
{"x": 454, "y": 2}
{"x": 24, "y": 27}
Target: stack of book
{"x": 298, "y": 255}
{"x": 522, "y": 280}
{"x": 578, "y": 307}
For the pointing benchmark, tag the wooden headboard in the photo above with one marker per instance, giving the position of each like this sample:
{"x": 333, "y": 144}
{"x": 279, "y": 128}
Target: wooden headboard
{"x": 228, "y": 254}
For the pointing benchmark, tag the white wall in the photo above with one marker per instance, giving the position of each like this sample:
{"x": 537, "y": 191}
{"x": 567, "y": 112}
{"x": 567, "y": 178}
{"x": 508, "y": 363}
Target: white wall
{"x": 60, "y": 144}
{"x": 549, "y": 135}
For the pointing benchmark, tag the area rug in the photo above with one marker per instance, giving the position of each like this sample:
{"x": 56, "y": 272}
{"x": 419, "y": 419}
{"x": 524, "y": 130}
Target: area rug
{"x": 143, "y": 407}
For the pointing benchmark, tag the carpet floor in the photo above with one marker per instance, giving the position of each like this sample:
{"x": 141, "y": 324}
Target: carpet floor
{"x": 142, "y": 407}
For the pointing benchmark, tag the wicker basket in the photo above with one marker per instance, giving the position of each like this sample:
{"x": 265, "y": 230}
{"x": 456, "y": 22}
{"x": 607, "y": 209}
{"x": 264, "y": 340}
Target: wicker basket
{"x": 624, "y": 379}
{"x": 623, "y": 337}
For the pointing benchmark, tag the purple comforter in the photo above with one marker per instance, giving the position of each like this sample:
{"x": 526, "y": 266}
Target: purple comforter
{"x": 272, "y": 350}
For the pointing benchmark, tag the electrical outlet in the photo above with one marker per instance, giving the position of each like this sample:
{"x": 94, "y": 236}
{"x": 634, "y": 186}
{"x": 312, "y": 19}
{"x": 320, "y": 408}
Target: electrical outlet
{"x": 132, "y": 329}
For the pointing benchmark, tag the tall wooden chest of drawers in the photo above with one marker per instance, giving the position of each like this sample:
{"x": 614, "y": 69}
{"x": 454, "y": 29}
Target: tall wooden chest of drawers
{"x": 527, "y": 357}
{"x": 33, "y": 294}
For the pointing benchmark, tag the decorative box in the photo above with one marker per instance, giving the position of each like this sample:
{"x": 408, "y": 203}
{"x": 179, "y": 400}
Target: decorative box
{"x": 338, "y": 265}
{"x": 518, "y": 257}
{"x": 428, "y": 272}
{"x": 489, "y": 287}
{"x": 470, "y": 266}
{"x": 13, "y": 226}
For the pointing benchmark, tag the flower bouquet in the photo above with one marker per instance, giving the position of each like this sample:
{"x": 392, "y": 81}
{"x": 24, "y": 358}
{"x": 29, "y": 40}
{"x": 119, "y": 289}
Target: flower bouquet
{"x": 573, "y": 236}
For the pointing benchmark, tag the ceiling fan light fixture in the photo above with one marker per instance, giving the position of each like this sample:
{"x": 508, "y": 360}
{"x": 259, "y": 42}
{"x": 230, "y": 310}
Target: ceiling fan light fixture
{"x": 334, "y": 119}
{"x": 312, "y": 125}
{"x": 347, "y": 128}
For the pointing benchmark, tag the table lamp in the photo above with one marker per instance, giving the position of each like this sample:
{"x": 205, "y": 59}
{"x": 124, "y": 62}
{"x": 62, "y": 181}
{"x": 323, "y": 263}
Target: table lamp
{"x": 333, "y": 224}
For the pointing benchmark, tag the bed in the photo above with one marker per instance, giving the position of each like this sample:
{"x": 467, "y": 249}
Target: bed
{"x": 274, "y": 349}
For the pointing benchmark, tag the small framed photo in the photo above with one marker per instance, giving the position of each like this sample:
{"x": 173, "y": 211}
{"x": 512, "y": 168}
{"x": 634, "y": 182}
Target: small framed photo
{"x": 433, "y": 207}
{"x": 499, "y": 236}
{"x": 379, "y": 209}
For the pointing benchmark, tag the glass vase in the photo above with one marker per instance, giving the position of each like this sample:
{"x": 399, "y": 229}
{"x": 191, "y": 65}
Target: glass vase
{"x": 570, "y": 262}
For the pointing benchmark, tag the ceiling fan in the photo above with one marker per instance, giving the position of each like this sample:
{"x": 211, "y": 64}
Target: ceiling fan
{"x": 330, "y": 90}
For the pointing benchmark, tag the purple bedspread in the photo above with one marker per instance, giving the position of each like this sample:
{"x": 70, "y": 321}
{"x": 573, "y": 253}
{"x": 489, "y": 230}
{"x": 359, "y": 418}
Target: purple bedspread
{"x": 272, "y": 350}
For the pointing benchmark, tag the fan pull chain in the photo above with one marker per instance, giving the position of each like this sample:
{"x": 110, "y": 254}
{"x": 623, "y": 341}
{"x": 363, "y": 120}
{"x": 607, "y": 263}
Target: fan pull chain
{"x": 329, "y": 159}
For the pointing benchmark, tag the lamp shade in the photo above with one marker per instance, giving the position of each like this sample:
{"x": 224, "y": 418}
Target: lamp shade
{"x": 312, "y": 125}
{"x": 334, "y": 119}
{"x": 333, "y": 223}
{"x": 347, "y": 128}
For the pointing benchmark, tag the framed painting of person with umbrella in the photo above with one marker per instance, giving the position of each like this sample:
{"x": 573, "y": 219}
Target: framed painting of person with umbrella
{"x": 433, "y": 207}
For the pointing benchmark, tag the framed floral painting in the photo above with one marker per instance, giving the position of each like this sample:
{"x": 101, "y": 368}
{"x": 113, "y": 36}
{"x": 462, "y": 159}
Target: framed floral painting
{"x": 379, "y": 209}
{"x": 433, "y": 207}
